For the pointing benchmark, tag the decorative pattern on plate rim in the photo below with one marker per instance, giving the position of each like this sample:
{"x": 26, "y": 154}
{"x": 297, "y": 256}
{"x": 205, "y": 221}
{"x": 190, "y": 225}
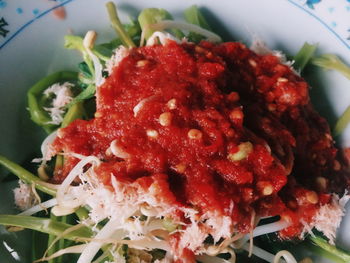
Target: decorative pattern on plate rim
{"x": 16, "y": 16}
{"x": 331, "y": 13}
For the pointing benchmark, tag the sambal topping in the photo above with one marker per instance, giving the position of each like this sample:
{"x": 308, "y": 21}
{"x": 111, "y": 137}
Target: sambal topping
{"x": 214, "y": 128}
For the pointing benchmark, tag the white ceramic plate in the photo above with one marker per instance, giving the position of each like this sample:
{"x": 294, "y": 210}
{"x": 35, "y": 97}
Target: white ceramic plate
{"x": 31, "y": 46}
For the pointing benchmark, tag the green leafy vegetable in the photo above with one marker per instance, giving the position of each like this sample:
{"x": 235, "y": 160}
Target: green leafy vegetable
{"x": 75, "y": 111}
{"x": 47, "y": 226}
{"x": 333, "y": 250}
{"x": 76, "y": 42}
{"x": 169, "y": 225}
{"x": 88, "y": 93}
{"x": 150, "y": 16}
{"x": 332, "y": 62}
{"x": 133, "y": 29}
{"x": 304, "y": 56}
{"x": 49, "y": 242}
{"x": 26, "y": 176}
{"x": 84, "y": 70}
{"x": 342, "y": 122}
{"x": 194, "y": 16}
{"x": 117, "y": 25}
{"x": 38, "y": 244}
{"x": 36, "y": 103}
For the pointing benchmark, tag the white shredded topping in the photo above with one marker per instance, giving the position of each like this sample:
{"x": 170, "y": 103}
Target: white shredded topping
{"x": 260, "y": 48}
{"x": 220, "y": 226}
{"x": 162, "y": 37}
{"x": 321, "y": 221}
{"x": 47, "y": 151}
{"x": 118, "y": 55}
{"x": 24, "y": 196}
{"x": 193, "y": 237}
{"x": 62, "y": 96}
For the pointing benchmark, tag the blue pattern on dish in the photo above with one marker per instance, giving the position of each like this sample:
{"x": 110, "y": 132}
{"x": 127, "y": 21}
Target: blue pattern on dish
{"x": 311, "y": 3}
{"x": 324, "y": 11}
{"x": 331, "y": 13}
{"x": 3, "y": 30}
{"x": 19, "y": 10}
{"x": 36, "y": 11}
{"x": 3, "y": 4}
{"x": 12, "y": 31}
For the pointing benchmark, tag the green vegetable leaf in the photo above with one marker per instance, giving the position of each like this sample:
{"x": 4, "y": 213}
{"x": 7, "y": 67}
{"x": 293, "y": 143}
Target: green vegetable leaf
{"x": 194, "y": 16}
{"x": 304, "y": 56}
{"x": 342, "y": 122}
{"x": 84, "y": 70}
{"x": 35, "y": 97}
{"x": 150, "y": 16}
{"x": 332, "y": 62}
{"x": 133, "y": 29}
{"x": 76, "y": 111}
{"x": 26, "y": 176}
{"x": 102, "y": 52}
{"x": 333, "y": 250}
{"x": 117, "y": 25}
{"x": 46, "y": 225}
{"x": 74, "y": 42}
{"x": 88, "y": 93}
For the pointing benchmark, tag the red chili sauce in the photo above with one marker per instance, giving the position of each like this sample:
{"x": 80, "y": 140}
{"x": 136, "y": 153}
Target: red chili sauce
{"x": 218, "y": 124}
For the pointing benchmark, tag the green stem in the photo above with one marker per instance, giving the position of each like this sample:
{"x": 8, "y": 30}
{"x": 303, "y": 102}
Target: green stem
{"x": 303, "y": 56}
{"x": 50, "y": 240}
{"x": 117, "y": 25}
{"x": 332, "y": 62}
{"x": 194, "y": 16}
{"x": 76, "y": 111}
{"x": 150, "y": 16}
{"x": 36, "y": 110}
{"x": 26, "y": 176}
{"x": 46, "y": 225}
{"x": 82, "y": 213}
{"x": 333, "y": 250}
{"x": 61, "y": 242}
{"x": 87, "y": 93}
{"x": 342, "y": 122}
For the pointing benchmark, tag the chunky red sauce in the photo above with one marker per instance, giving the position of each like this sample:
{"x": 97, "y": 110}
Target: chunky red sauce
{"x": 218, "y": 124}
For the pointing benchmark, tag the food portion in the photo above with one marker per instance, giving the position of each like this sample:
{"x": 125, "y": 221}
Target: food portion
{"x": 208, "y": 132}
{"x": 182, "y": 151}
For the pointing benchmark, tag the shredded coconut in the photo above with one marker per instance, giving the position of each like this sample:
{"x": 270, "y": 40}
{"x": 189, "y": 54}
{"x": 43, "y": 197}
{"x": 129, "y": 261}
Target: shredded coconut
{"x": 47, "y": 150}
{"x": 321, "y": 221}
{"x": 118, "y": 54}
{"x": 162, "y": 37}
{"x": 260, "y": 48}
{"x": 62, "y": 96}
{"x": 24, "y": 196}
{"x": 193, "y": 237}
{"x": 219, "y": 226}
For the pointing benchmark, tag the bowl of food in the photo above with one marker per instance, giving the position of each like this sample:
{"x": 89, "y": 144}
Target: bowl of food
{"x": 160, "y": 131}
